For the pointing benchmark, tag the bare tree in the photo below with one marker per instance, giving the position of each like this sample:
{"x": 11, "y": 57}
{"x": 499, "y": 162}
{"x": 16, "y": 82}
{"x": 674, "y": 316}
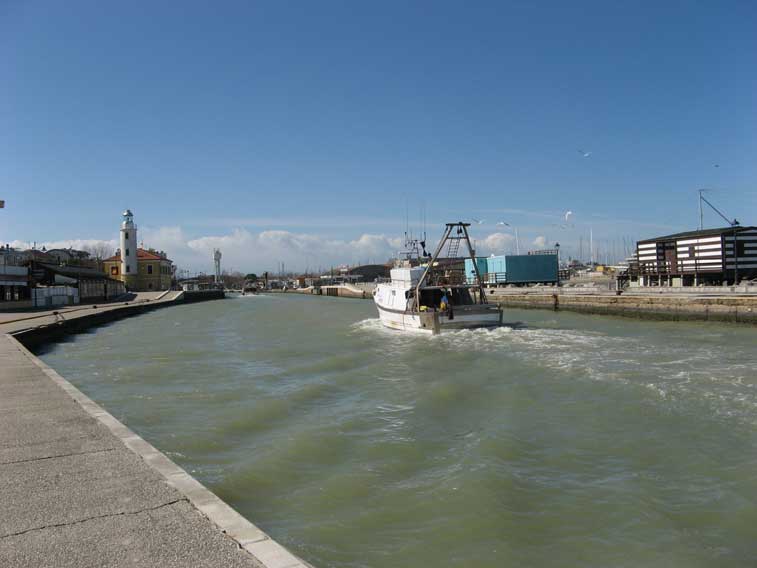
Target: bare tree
{"x": 99, "y": 251}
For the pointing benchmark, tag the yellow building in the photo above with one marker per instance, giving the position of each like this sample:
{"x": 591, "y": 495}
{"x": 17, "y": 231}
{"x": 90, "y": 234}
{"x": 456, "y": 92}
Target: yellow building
{"x": 154, "y": 270}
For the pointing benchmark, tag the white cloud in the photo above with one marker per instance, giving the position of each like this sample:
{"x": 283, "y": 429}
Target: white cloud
{"x": 162, "y": 238}
{"x": 246, "y": 251}
{"x": 497, "y": 243}
{"x": 540, "y": 242}
{"x": 79, "y": 244}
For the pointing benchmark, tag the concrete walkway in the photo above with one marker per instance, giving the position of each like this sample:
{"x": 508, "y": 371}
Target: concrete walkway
{"x": 79, "y": 489}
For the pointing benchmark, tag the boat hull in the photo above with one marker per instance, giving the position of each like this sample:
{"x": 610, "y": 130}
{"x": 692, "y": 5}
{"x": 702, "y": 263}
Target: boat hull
{"x": 464, "y": 317}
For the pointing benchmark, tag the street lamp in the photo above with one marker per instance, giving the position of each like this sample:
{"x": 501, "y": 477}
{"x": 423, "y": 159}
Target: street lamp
{"x": 515, "y": 229}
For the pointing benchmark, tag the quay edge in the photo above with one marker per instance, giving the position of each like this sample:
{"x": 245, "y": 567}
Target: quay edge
{"x": 733, "y": 309}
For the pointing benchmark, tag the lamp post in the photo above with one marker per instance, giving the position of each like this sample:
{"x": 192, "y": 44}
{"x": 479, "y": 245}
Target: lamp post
{"x": 515, "y": 230}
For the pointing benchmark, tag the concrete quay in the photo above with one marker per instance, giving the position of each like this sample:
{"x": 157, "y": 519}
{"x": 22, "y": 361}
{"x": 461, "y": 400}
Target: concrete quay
{"x": 684, "y": 307}
{"x": 79, "y": 489}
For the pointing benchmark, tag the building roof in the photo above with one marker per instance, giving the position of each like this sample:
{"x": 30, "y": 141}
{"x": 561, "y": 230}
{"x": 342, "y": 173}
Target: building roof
{"x": 702, "y": 233}
{"x": 79, "y": 272}
{"x": 142, "y": 254}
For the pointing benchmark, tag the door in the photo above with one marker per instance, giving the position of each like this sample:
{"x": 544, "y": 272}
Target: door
{"x": 671, "y": 258}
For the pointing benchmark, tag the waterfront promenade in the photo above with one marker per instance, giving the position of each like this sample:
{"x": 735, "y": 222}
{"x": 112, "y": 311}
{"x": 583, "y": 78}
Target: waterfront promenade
{"x": 78, "y": 488}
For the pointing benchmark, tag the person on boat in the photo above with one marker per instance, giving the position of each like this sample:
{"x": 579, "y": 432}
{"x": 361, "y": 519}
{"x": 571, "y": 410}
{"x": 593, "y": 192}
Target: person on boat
{"x": 444, "y": 303}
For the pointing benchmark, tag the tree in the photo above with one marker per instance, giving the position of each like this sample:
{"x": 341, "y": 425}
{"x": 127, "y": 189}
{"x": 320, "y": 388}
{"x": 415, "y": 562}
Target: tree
{"x": 252, "y": 277}
{"x": 99, "y": 251}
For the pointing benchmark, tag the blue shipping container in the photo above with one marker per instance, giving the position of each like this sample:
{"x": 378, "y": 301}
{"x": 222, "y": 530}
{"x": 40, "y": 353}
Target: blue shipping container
{"x": 496, "y": 269}
{"x": 470, "y": 273}
{"x": 532, "y": 268}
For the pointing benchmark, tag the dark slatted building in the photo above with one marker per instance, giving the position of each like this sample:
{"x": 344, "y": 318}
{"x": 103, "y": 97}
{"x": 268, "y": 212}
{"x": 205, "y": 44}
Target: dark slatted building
{"x": 699, "y": 257}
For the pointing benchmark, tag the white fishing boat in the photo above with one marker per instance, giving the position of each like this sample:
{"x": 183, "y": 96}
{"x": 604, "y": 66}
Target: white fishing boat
{"x": 433, "y": 293}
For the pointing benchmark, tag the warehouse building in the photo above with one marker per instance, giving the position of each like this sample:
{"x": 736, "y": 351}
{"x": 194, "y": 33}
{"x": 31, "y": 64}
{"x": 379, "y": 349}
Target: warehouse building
{"x": 693, "y": 258}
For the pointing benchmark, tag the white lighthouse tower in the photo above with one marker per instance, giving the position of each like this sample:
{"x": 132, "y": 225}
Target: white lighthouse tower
{"x": 129, "y": 265}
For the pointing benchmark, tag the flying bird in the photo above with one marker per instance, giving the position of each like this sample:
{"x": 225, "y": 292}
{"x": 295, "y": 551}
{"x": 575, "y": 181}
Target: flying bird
{"x": 584, "y": 154}
{"x": 503, "y": 224}
{"x": 717, "y": 165}
{"x": 478, "y": 221}
{"x": 568, "y": 215}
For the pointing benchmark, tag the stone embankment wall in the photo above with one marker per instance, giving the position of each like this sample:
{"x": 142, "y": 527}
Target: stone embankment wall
{"x": 363, "y": 292}
{"x": 40, "y": 335}
{"x": 201, "y": 296}
{"x": 727, "y": 309}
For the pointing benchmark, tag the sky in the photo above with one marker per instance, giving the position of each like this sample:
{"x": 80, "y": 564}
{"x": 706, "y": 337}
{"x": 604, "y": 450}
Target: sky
{"x": 311, "y": 133}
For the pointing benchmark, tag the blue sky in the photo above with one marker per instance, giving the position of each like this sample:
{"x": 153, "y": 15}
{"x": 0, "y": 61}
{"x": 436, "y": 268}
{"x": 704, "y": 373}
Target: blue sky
{"x": 300, "y": 131}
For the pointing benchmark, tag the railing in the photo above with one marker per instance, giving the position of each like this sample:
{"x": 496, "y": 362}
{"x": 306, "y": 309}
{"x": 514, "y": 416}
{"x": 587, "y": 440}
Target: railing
{"x": 446, "y": 277}
{"x": 668, "y": 268}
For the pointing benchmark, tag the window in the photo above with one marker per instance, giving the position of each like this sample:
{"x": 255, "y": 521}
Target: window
{"x": 114, "y": 270}
{"x": 741, "y": 248}
{"x": 126, "y": 235}
{"x": 127, "y": 252}
{"x": 149, "y": 269}
{"x": 127, "y": 268}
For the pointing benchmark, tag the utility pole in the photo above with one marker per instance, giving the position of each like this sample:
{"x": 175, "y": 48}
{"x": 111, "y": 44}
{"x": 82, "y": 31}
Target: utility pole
{"x": 701, "y": 213}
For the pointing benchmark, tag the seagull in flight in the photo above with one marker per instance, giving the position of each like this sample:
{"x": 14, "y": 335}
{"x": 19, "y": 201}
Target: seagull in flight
{"x": 584, "y": 154}
{"x": 503, "y": 224}
{"x": 478, "y": 221}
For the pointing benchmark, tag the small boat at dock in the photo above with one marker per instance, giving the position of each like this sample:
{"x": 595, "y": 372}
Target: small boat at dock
{"x": 433, "y": 293}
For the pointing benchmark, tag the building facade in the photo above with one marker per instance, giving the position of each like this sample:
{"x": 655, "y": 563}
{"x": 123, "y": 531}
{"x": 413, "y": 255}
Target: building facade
{"x": 710, "y": 256}
{"x": 154, "y": 271}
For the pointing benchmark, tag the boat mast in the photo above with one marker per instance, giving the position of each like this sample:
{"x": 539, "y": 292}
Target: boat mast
{"x": 481, "y": 292}
{"x": 462, "y": 229}
{"x": 431, "y": 262}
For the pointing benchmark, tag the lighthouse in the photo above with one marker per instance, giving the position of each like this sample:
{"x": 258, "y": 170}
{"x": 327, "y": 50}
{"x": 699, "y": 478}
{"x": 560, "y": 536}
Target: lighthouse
{"x": 129, "y": 265}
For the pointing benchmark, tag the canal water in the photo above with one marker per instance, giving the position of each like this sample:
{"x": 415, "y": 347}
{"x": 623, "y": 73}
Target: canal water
{"x": 558, "y": 440}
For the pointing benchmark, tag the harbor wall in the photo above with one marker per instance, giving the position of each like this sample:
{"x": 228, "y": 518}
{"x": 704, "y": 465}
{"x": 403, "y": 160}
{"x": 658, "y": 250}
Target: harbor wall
{"x": 201, "y": 296}
{"x": 724, "y": 309}
{"x": 39, "y": 335}
{"x": 362, "y": 291}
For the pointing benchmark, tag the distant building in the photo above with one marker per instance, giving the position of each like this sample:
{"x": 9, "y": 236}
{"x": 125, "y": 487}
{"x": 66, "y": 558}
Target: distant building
{"x": 14, "y": 285}
{"x": 370, "y": 272}
{"x": 70, "y": 256}
{"x": 698, "y": 257}
{"x": 91, "y": 284}
{"x": 199, "y": 282}
{"x": 138, "y": 268}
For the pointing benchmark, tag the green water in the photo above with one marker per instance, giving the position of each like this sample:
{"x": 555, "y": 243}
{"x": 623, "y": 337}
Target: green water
{"x": 564, "y": 440}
